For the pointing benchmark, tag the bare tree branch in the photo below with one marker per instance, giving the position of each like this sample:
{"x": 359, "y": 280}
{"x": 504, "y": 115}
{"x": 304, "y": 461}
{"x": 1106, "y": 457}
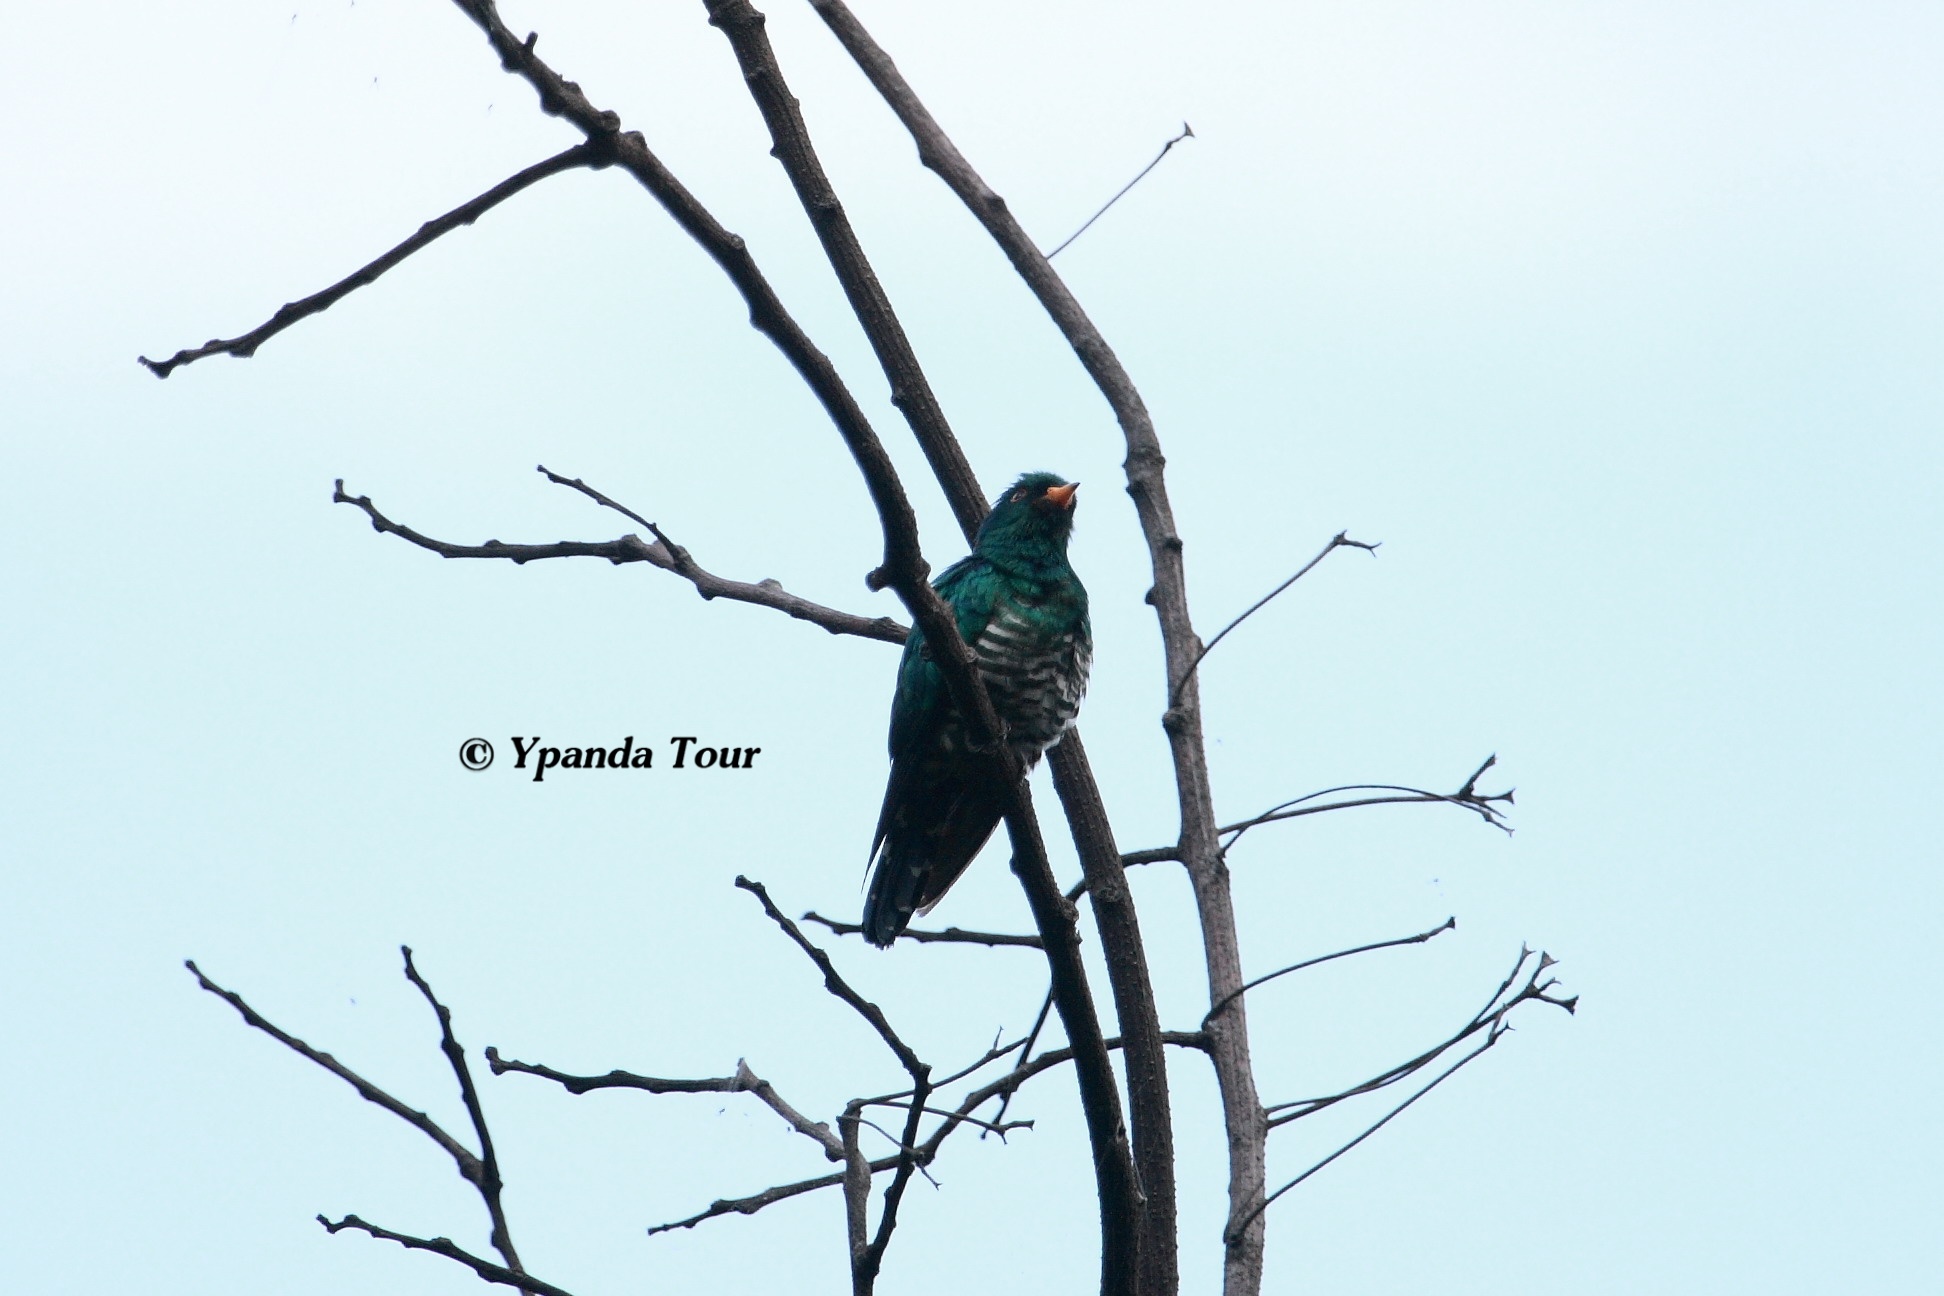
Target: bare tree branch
{"x": 631, "y": 548}
{"x": 488, "y": 1179}
{"x": 768, "y": 1197}
{"x": 926, "y": 1152}
{"x": 744, "y": 1081}
{"x": 1339, "y": 541}
{"x": 580, "y": 1084}
{"x": 1123, "y": 1219}
{"x": 1187, "y": 132}
{"x": 835, "y": 983}
{"x": 950, "y": 936}
{"x": 486, "y": 1269}
{"x": 903, "y": 565}
{"x": 461, "y": 1155}
{"x": 1443, "y": 1076}
{"x": 1241, "y": 1108}
{"x": 1468, "y": 797}
{"x": 1419, "y": 939}
{"x": 1490, "y": 1017}
{"x": 911, "y": 390}
{"x": 581, "y": 155}
{"x": 1001, "y": 1128}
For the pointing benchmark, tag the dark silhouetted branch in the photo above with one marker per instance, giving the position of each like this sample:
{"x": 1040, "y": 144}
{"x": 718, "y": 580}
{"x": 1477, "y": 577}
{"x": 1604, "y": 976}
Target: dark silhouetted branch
{"x": 768, "y": 1197}
{"x": 1339, "y": 541}
{"x": 439, "y": 1246}
{"x": 487, "y": 1180}
{"x": 481, "y": 1170}
{"x": 581, "y": 155}
{"x": 1443, "y": 1076}
{"x": 911, "y": 391}
{"x": 463, "y": 1156}
{"x": 1467, "y": 797}
{"x": 835, "y": 983}
{"x": 865, "y": 1267}
{"x": 1241, "y": 1108}
{"x": 744, "y": 1081}
{"x": 1121, "y": 1206}
{"x": 1001, "y": 1128}
{"x": 1187, "y": 132}
{"x": 631, "y": 548}
{"x": 1419, "y": 939}
{"x": 950, "y": 936}
{"x": 1489, "y": 1018}
{"x": 925, "y": 1153}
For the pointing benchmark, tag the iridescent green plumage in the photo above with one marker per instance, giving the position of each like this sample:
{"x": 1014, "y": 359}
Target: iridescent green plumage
{"x": 1024, "y": 613}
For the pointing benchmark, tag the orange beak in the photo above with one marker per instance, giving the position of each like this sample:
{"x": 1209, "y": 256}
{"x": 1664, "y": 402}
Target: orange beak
{"x": 1062, "y": 495}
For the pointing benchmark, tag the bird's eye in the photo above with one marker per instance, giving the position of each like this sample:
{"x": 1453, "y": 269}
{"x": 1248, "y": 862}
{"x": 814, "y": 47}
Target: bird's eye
{"x": 1018, "y": 495}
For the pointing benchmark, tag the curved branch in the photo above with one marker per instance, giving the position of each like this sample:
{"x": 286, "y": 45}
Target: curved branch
{"x": 487, "y": 1180}
{"x": 1146, "y": 483}
{"x": 486, "y": 1269}
{"x": 1419, "y": 939}
{"x": 631, "y": 549}
{"x": 581, "y": 155}
{"x": 1339, "y": 541}
{"x": 461, "y": 1155}
{"x": 1443, "y": 1076}
{"x": 1492, "y": 1016}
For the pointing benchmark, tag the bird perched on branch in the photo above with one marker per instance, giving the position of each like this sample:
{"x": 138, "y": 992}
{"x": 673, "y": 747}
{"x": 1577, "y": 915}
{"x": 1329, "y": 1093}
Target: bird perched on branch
{"x": 1024, "y": 613}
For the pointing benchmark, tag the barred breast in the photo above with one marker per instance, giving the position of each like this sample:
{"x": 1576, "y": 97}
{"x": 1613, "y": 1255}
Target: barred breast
{"x": 1036, "y": 679}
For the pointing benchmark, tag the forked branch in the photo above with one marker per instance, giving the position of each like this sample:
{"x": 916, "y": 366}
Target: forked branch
{"x": 631, "y": 549}
{"x": 479, "y": 1169}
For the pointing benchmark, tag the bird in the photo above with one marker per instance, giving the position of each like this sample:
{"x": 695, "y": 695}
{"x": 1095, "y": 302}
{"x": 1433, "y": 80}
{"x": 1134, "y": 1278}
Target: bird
{"x": 1023, "y": 611}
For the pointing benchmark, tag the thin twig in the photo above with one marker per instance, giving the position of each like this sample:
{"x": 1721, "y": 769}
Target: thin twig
{"x": 463, "y": 1156}
{"x": 744, "y": 1081}
{"x": 927, "y": 1151}
{"x": 1419, "y": 939}
{"x": 631, "y": 548}
{"x": 1026, "y": 1051}
{"x": 1489, "y": 1017}
{"x": 486, "y": 1269}
{"x": 581, "y": 155}
{"x": 1187, "y": 132}
{"x": 768, "y": 1197}
{"x": 1466, "y": 797}
{"x": 950, "y": 936}
{"x": 1121, "y": 1216}
{"x": 836, "y": 984}
{"x": 1338, "y": 541}
{"x": 488, "y": 1180}
{"x": 1001, "y": 1128}
{"x": 1443, "y": 1076}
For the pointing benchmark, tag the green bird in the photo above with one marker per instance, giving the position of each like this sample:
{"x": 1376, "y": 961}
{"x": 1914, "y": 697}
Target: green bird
{"x": 1024, "y": 613}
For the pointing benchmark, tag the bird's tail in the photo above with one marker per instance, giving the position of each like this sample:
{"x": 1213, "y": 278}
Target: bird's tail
{"x": 896, "y": 882}
{"x": 929, "y": 832}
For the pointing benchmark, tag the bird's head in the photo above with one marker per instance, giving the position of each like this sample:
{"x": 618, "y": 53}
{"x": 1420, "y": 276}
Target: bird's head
{"x": 1034, "y": 513}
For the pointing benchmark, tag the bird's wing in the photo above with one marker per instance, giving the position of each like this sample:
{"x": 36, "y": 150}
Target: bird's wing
{"x": 922, "y": 702}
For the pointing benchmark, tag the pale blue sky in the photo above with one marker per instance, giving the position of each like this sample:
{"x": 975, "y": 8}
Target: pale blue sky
{"x": 1618, "y": 324}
